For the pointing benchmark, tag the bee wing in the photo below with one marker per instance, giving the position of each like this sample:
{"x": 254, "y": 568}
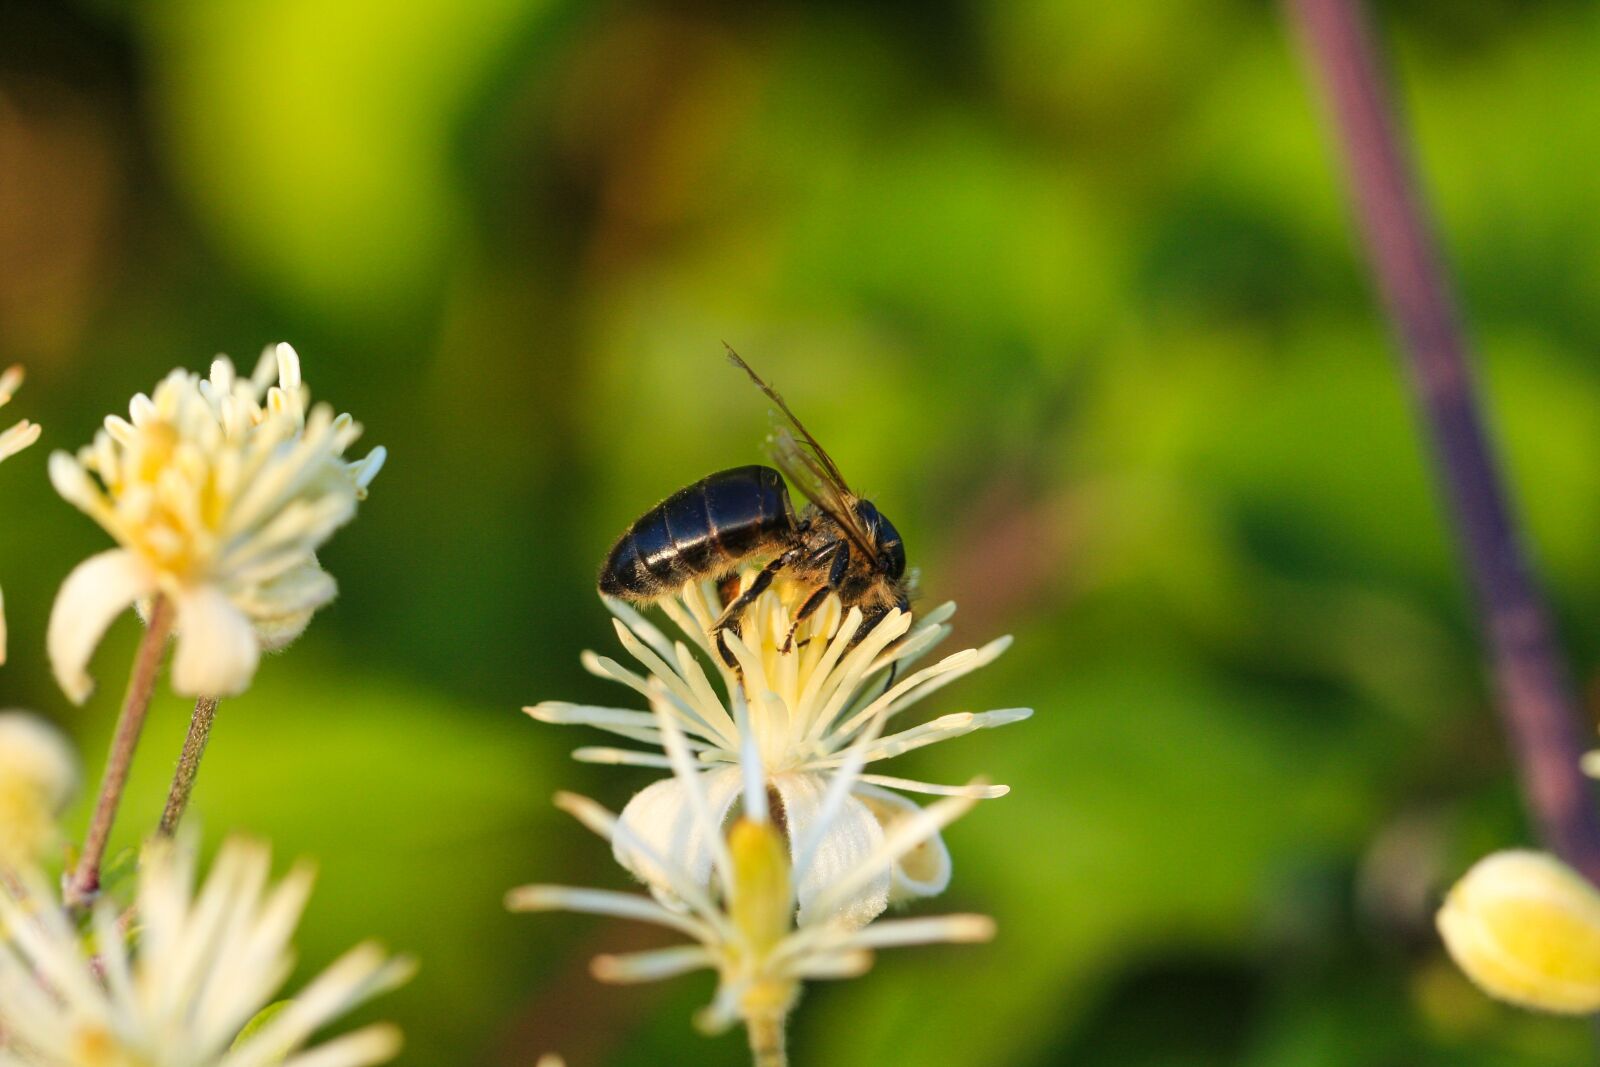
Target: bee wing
{"x": 816, "y": 480}
{"x": 807, "y": 464}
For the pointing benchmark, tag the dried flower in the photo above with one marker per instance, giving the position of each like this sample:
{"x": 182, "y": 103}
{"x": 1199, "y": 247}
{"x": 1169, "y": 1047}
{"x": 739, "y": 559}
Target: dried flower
{"x": 38, "y": 779}
{"x": 219, "y": 491}
{"x": 204, "y": 965}
{"x": 12, "y": 441}
{"x": 1526, "y": 928}
{"x": 798, "y": 711}
{"x": 749, "y": 924}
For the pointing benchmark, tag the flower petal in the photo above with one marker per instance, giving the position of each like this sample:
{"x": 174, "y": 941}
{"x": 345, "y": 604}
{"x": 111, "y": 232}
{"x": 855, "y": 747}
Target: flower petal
{"x": 280, "y": 608}
{"x": 850, "y": 838}
{"x": 925, "y": 870}
{"x": 217, "y": 648}
{"x": 304, "y": 586}
{"x": 661, "y": 818}
{"x": 97, "y": 591}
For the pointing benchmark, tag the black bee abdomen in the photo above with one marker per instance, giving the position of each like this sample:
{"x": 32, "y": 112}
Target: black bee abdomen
{"x": 624, "y": 573}
{"x": 744, "y": 506}
{"x": 702, "y": 530}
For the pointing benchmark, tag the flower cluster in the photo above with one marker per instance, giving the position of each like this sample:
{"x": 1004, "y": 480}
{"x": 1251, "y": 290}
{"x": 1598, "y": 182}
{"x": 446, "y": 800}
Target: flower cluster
{"x": 769, "y": 845}
{"x": 219, "y": 491}
{"x": 749, "y": 923}
{"x": 205, "y": 965}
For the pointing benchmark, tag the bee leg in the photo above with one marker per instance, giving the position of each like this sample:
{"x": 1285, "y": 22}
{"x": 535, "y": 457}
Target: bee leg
{"x": 730, "y": 614}
{"x": 813, "y": 602}
{"x": 838, "y": 566}
{"x": 870, "y": 618}
{"x": 841, "y": 564}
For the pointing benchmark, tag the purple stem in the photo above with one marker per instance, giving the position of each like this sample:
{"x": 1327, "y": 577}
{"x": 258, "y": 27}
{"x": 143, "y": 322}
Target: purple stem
{"x": 1536, "y": 696}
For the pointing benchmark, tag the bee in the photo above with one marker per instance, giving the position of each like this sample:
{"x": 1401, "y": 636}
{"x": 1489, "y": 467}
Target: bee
{"x": 838, "y": 543}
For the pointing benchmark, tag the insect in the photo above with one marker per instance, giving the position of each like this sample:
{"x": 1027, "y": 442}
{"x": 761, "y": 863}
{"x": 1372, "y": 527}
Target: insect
{"x": 838, "y": 543}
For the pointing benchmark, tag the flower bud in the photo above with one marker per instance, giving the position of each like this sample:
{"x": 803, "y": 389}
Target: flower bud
{"x": 1526, "y": 929}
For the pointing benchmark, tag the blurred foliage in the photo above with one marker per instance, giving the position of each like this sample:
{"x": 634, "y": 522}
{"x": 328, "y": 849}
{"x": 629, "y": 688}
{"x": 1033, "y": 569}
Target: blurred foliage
{"x": 1068, "y": 287}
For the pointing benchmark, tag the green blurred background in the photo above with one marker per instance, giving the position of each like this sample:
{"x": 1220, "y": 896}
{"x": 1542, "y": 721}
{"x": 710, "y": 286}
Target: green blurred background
{"x": 1069, "y": 288}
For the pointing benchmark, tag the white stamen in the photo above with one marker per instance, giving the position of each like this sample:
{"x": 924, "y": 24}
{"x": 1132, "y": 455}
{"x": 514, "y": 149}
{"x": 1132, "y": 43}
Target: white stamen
{"x": 652, "y": 966}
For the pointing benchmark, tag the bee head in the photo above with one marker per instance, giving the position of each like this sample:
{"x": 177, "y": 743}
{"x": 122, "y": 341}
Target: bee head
{"x": 885, "y": 538}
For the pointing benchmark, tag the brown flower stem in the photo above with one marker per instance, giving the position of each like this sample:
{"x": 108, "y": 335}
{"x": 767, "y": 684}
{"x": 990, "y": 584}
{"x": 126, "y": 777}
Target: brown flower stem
{"x": 85, "y": 881}
{"x": 194, "y": 747}
{"x": 1537, "y": 704}
{"x": 767, "y": 1041}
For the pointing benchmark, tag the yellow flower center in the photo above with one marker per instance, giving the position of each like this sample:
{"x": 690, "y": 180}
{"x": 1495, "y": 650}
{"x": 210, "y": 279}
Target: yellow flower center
{"x": 92, "y": 1046}
{"x": 27, "y": 823}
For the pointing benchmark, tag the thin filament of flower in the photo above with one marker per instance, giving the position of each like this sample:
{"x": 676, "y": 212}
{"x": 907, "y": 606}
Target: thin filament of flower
{"x": 839, "y": 788}
{"x": 652, "y": 965}
{"x": 976, "y": 792}
{"x": 604, "y": 902}
{"x": 843, "y": 684}
{"x": 606, "y": 825}
{"x": 699, "y": 808}
{"x": 956, "y": 724}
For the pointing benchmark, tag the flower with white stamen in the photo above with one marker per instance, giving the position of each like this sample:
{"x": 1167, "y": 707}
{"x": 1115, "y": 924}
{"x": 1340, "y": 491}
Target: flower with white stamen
{"x": 204, "y": 964}
{"x": 799, "y": 711}
{"x": 12, "y": 440}
{"x": 219, "y": 491}
{"x": 749, "y": 923}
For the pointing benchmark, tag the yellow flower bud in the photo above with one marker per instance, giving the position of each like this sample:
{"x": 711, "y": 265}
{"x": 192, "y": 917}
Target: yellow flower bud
{"x": 1526, "y": 928}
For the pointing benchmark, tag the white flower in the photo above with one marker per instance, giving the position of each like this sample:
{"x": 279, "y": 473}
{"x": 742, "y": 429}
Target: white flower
{"x": 204, "y": 965}
{"x": 219, "y": 491}
{"x": 38, "y": 779}
{"x": 12, "y": 441}
{"x": 748, "y": 924}
{"x": 798, "y": 711}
